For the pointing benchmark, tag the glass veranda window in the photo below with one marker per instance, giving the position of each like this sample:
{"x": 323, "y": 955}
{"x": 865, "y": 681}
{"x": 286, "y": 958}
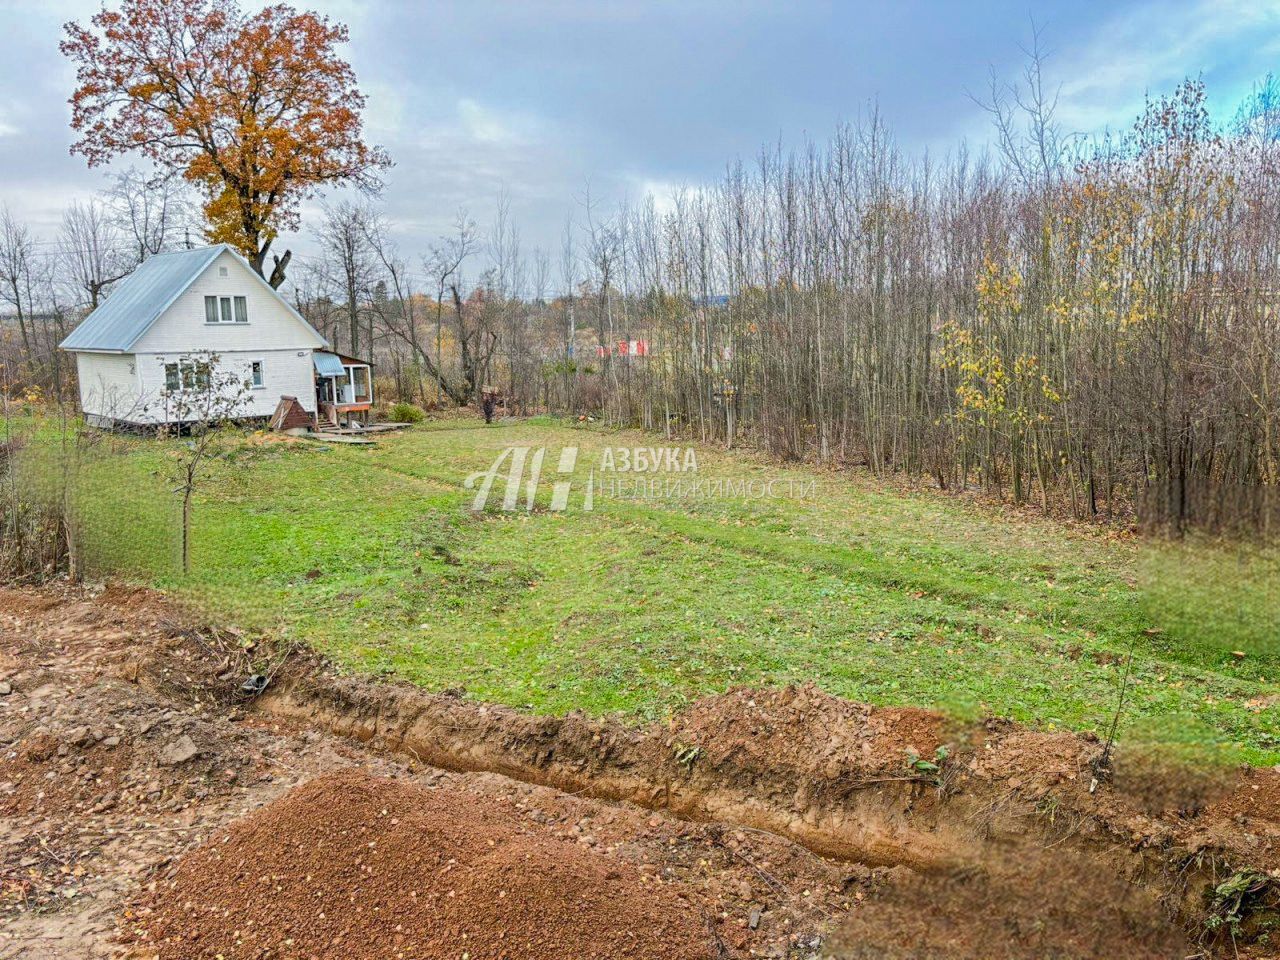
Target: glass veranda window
{"x": 360, "y": 383}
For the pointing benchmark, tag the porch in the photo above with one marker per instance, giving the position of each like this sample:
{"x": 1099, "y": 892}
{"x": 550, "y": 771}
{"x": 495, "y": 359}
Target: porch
{"x": 344, "y": 389}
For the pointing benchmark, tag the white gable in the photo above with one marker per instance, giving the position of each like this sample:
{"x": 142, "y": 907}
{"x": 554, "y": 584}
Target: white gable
{"x": 272, "y": 324}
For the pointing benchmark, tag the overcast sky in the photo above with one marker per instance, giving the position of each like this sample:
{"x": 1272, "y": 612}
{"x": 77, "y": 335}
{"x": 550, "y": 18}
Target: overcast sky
{"x": 543, "y": 96}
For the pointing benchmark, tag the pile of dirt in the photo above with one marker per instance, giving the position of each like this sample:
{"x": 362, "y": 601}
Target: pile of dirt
{"x": 351, "y": 866}
{"x": 1254, "y": 802}
{"x": 103, "y": 780}
{"x": 804, "y": 729}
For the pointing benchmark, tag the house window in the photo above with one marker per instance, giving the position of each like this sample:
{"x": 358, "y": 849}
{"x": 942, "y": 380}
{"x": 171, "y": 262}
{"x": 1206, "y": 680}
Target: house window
{"x": 256, "y": 374}
{"x": 226, "y": 310}
{"x": 195, "y": 375}
{"x": 186, "y": 375}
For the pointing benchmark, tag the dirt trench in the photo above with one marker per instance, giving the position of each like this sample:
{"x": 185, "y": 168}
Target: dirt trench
{"x": 1075, "y": 865}
{"x": 149, "y": 811}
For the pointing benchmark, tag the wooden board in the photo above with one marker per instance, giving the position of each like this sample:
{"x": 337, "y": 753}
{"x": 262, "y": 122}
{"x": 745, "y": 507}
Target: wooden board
{"x": 337, "y": 438}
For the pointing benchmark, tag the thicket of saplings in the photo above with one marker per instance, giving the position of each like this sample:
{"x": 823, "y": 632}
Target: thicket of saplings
{"x": 1100, "y": 334}
{"x": 38, "y": 480}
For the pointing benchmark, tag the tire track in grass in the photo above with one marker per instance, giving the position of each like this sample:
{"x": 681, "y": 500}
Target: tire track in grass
{"x": 865, "y": 568}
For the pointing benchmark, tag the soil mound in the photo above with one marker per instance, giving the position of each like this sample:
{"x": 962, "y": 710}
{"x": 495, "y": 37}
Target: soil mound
{"x": 803, "y": 728}
{"x": 352, "y": 867}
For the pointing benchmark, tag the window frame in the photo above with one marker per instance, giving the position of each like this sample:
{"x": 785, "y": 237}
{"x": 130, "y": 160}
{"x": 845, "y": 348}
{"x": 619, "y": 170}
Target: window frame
{"x": 187, "y": 374}
{"x": 228, "y": 311}
{"x": 257, "y": 375}
{"x": 358, "y": 372}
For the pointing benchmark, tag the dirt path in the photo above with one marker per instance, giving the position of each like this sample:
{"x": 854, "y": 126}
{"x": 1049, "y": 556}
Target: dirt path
{"x": 148, "y": 810}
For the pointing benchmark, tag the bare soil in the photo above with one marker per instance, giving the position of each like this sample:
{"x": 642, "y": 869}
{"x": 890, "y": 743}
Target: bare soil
{"x": 1057, "y": 904}
{"x": 148, "y": 809}
{"x": 373, "y": 867}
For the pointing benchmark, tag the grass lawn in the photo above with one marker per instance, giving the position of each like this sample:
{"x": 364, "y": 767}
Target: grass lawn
{"x": 371, "y": 555}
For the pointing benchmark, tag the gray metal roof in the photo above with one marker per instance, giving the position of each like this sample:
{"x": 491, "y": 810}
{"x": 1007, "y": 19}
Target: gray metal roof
{"x": 327, "y": 365}
{"x": 138, "y": 300}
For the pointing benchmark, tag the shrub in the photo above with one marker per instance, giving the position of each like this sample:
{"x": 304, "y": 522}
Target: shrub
{"x": 403, "y": 412}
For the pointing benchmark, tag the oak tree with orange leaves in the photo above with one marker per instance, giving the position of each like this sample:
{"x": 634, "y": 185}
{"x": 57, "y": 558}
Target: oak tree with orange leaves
{"x": 257, "y": 110}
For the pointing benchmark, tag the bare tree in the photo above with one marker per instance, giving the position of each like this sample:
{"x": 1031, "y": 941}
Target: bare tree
{"x": 18, "y": 274}
{"x": 348, "y": 264}
{"x": 568, "y": 285}
{"x": 153, "y": 212}
{"x": 205, "y": 398}
{"x": 505, "y": 302}
{"x": 399, "y": 311}
{"x": 444, "y": 265}
{"x": 1024, "y": 115}
{"x": 93, "y": 251}
{"x": 478, "y": 338}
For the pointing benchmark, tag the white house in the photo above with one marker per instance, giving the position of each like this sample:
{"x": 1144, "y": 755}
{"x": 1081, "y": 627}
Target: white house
{"x": 152, "y": 338}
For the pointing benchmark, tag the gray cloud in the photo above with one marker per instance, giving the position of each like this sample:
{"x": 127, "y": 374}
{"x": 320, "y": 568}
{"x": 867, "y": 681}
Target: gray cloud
{"x": 543, "y": 96}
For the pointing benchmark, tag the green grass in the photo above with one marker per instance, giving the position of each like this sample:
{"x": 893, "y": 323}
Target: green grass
{"x": 370, "y": 555}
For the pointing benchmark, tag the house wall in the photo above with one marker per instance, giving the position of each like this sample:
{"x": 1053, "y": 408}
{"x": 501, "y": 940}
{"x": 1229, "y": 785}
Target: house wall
{"x": 132, "y": 388}
{"x": 285, "y": 373}
{"x": 110, "y": 388}
{"x": 271, "y": 326}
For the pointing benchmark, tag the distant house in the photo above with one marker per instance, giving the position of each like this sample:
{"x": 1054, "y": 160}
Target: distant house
{"x": 154, "y": 335}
